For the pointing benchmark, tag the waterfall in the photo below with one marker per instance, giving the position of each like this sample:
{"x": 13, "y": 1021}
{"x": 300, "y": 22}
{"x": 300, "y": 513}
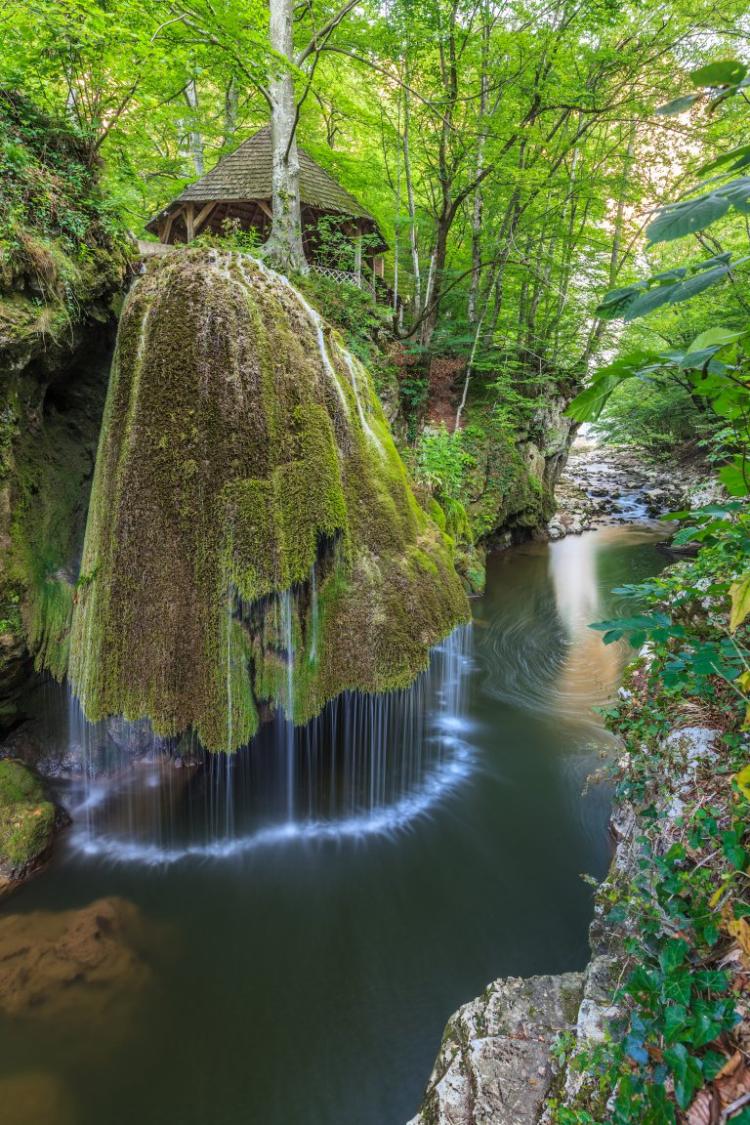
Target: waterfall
{"x": 368, "y": 765}
{"x": 286, "y": 610}
{"x": 317, "y": 322}
{"x": 313, "y": 654}
{"x": 220, "y": 491}
{"x": 351, "y": 363}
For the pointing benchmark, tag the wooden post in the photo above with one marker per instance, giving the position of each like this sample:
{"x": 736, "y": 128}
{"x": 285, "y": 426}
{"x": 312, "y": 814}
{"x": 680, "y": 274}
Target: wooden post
{"x": 190, "y": 221}
{"x": 202, "y": 217}
{"x": 165, "y": 227}
{"x": 358, "y": 258}
{"x": 378, "y": 265}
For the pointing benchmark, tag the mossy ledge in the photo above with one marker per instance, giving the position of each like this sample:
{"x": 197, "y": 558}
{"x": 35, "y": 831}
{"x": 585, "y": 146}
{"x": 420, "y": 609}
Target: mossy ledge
{"x": 252, "y": 532}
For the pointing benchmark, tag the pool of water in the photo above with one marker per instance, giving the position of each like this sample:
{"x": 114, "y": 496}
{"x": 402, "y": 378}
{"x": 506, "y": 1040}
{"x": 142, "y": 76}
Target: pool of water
{"x": 305, "y": 978}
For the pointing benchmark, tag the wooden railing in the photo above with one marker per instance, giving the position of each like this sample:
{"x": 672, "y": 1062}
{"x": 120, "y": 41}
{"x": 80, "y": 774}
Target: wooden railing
{"x": 343, "y": 276}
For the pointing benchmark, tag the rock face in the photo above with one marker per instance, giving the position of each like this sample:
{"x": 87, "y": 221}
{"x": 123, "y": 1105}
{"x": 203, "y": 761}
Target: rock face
{"x": 60, "y": 266}
{"x": 252, "y": 534}
{"x": 512, "y": 480}
{"x": 495, "y": 1065}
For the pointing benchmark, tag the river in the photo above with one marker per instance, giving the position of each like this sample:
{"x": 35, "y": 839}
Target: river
{"x": 292, "y": 954}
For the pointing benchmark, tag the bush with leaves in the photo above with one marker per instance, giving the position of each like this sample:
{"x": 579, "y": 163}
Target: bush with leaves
{"x": 442, "y": 461}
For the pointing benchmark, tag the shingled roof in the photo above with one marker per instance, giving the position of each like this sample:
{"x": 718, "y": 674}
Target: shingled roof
{"x": 246, "y": 174}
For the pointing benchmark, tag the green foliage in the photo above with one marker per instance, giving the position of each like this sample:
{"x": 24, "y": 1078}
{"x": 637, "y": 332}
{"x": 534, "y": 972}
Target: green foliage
{"x": 442, "y": 461}
{"x": 57, "y": 233}
{"x": 658, "y": 416}
{"x": 156, "y": 93}
{"x": 678, "y": 1003}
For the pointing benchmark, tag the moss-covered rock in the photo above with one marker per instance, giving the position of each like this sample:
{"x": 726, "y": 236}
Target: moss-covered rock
{"x": 252, "y": 534}
{"x": 27, "y": 823}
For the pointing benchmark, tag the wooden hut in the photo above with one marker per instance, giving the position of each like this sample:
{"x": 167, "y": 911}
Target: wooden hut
{"x": 239, "y": 188}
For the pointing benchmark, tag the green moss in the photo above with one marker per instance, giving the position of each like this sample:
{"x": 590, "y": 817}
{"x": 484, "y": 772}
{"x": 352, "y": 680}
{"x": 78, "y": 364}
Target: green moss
{"x": 234, "y": 457}
{"x": 504, "y": 493}
{"x": 26, "y": 818}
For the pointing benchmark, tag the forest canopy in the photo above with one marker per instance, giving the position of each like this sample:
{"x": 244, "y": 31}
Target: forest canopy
{"x": 511, "y": 152}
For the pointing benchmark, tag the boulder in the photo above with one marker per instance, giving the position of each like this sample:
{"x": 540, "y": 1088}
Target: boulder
{"x": 496, "y": 1065}
{"x": 27, "y": 824}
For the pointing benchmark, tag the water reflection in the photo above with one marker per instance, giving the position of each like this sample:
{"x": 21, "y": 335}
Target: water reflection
{"x": 542, "y": 654}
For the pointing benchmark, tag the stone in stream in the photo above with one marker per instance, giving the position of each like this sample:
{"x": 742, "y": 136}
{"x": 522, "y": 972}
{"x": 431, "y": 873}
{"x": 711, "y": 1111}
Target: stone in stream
{"x": 72, "y": 965}
{"x": 495, "y": 1065}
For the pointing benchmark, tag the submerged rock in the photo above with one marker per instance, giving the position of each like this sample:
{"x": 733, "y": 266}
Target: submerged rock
{"x": 252, "y": 533}
{"x": 27, "y": 824}
{"x": 70, "y": 964}
{"x": 495, "y": 1065}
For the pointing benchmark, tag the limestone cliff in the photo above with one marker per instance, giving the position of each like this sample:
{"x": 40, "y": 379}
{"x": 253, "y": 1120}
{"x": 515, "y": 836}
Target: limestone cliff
{"x": 62, "y": 257}
{"x": 252, "y": 535}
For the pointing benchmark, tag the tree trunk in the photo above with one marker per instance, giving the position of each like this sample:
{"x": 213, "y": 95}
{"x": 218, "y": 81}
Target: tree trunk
{"x": 478, "y": 207}
{"x": 231, "y": 102}
{"x": 195, "y": 140}
{"x": 410, "y": 202}
{"x": 284, "y": 246}
{"x": 598, "y": 326}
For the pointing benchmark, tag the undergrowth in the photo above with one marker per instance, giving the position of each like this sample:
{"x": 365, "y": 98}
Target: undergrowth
{"x": 680, "y": 1051}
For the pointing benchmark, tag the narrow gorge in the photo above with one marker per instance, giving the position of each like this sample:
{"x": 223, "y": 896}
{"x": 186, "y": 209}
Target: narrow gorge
{"x": 374, "y": 563}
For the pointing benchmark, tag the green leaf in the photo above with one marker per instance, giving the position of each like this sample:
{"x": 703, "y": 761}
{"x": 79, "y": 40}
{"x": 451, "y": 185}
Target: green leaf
{"x": 726, "y": 73}
{"x": 679, "y": 105}
{"x": 687, "y": 1073}
{"x": 733, "y": 850}
{"x": 588, "y": 405}
{"x": 699, "y": 282}
{"x": 650, "y": 300}
{"x": 732, "y": 476}
{"x": 617, "y": 300}
{"x": 679, "y": 219}
{"x": 672, "y": 954}
{"x": 713, "y": 980}
{"x": 675, "y": 1022}
{"x": 737, "y": 154}
{"x": 713, "y": 1062}
{"x": 698, "y": 360}
{"x": 713, "y": 337}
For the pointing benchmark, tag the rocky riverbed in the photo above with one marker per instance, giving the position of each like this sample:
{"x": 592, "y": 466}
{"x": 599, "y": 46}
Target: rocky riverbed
{"x": 604, "y": 484}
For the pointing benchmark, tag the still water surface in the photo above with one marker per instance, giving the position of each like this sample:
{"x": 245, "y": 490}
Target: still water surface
{"x": 307, "y": 981}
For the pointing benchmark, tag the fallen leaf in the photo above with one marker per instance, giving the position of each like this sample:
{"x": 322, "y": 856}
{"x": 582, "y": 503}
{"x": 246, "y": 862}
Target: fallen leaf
{"x": 730, "y": 1065}
{"x": 743, "y": 777}
{"x": 740, "y": 929}
{"x": 739, "y": 592}
{"x": 699, "y": 1112}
